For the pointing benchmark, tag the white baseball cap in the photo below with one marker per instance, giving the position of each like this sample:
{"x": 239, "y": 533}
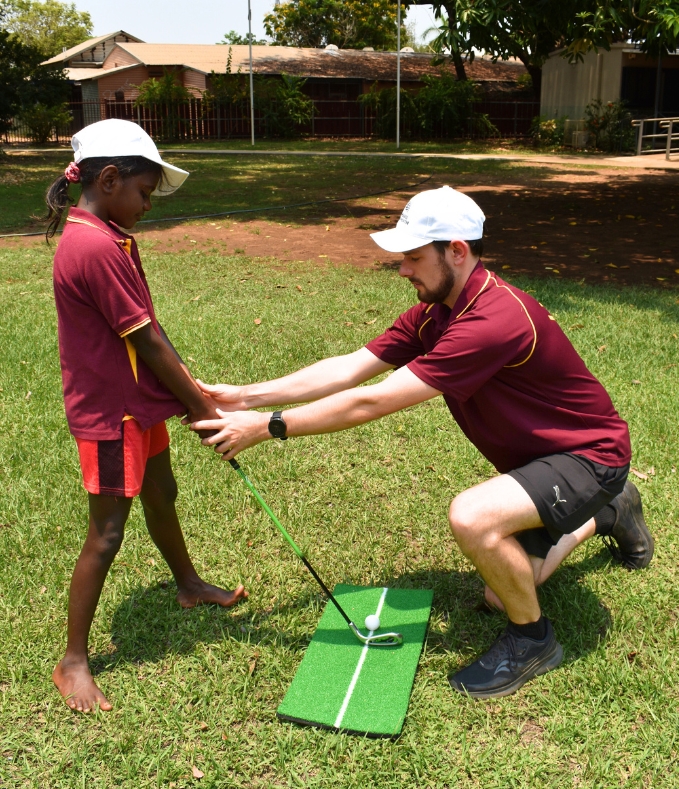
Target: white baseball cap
{"x": 435, "y": 215}
{"x": 115, "y": 137}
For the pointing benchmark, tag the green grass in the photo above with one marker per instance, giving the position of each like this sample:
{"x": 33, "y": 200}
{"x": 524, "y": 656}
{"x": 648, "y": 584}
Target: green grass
{"x": 201, "y": 687}
{"x": 234, "y": 182}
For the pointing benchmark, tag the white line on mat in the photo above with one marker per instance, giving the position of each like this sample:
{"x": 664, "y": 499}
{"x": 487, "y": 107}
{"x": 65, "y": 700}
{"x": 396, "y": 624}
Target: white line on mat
{"x": 361, "y": 660}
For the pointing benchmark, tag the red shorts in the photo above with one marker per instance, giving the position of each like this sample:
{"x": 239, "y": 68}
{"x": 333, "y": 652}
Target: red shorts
{"x": 116, "y": 468}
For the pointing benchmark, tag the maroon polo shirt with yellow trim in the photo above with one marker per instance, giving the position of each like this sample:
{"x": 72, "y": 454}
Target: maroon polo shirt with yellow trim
{"x": 509, "y": 375}
{"x": 102, "y": 296}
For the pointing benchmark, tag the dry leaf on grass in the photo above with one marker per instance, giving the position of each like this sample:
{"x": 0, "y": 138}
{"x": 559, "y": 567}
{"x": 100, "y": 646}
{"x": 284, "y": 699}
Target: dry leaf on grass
{"x": 257, "y": 321}
{"x": 196, "y": 772}
{"x": 203, "y": 726}
{"x": 370, "y": 323}
{"x": 639, "y": 474}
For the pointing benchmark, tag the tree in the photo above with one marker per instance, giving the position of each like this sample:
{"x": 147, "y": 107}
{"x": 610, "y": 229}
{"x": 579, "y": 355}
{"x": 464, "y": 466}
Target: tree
{"x": 527, "y": 30}
{"x": 50, "y": 26}
{"x": 235, "y": 38}
{"x": 24, "y": 82}
{"x": 349, "y": 24}
{"x": 652, "y": 24}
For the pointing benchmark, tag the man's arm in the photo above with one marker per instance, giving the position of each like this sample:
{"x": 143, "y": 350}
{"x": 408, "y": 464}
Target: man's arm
{"x": 243, "y": 429}
{"x": 163, "y": 360}
{"x": 311, "y": 383}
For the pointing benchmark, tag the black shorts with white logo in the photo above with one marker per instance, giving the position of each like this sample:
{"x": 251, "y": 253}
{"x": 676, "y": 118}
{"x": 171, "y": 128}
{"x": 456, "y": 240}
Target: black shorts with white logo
{"x": 567, "y": 491}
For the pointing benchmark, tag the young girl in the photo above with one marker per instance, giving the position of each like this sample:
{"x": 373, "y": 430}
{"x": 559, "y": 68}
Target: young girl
{"x": 122, "y": 377}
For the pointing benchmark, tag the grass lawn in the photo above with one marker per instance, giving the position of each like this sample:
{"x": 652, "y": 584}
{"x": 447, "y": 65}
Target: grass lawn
{"x": 234, "y": 183}
{"x": 200, "y": 688}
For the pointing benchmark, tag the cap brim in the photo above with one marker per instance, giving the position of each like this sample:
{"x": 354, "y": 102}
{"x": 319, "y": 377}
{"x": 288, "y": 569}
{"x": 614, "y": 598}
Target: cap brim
{"x": 397, "y": 240}
{"x": 173, "y": 178}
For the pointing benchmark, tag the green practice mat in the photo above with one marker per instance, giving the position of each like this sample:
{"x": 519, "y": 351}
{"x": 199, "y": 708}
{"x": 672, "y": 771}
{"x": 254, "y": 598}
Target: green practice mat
{"x": 342, "y": 684}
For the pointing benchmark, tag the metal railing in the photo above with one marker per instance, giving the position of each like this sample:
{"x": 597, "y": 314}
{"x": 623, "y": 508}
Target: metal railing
{"x": 671, "y": 136}
{"x": 201, "y": 120}
{"x": 662, "y": 129}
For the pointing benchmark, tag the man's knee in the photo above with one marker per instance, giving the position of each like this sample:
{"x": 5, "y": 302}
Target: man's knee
{"x": 463, "y": 524}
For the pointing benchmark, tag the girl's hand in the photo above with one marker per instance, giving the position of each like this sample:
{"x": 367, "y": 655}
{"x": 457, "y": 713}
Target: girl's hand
{"x": 235, "y": 431}
{"x": 227, "y": 397}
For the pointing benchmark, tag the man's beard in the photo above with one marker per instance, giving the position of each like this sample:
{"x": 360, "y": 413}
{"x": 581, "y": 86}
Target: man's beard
{"x": 441, "y": 292}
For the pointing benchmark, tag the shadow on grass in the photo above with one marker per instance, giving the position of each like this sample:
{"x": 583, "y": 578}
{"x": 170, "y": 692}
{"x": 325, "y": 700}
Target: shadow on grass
{"x": 149, "y": 624}
{"x": 581, "y": 620}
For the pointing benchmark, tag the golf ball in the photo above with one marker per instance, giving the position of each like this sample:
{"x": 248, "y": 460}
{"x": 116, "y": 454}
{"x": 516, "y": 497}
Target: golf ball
{"x": 372, "y": 622}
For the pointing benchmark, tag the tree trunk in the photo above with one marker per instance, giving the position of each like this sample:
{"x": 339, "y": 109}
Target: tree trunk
{"x": 458, "y": 60}
{"x": 536, "y": 76}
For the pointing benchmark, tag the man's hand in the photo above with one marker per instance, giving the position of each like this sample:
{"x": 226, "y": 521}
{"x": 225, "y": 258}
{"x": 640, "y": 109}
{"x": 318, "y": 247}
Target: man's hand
{"x": 233, "y": 432}
{"x": 224, "y": 396}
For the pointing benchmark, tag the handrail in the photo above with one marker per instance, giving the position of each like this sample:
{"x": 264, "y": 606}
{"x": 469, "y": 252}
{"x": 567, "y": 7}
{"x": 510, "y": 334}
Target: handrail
{"x": 669, "y": 125}
{"x": 662, "y": 123}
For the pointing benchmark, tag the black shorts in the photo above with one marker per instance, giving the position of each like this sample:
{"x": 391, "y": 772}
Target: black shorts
{"x": 567, "y": 491}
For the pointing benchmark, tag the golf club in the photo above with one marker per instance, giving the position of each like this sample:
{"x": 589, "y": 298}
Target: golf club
{"x": 379, "y": 640}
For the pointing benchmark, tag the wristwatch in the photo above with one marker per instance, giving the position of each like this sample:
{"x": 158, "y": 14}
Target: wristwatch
{"x": 277, "y": 426}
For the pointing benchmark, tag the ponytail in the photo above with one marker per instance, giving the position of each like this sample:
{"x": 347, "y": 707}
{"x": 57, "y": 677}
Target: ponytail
{"x": 57, "y": 199}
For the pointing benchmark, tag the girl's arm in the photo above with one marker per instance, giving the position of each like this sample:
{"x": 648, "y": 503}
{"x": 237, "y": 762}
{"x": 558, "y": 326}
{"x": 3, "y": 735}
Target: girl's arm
{"x": 163, "y": 360}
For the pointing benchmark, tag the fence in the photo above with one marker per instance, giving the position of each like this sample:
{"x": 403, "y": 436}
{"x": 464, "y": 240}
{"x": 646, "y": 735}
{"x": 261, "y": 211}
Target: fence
{"x": 199, "y": 120}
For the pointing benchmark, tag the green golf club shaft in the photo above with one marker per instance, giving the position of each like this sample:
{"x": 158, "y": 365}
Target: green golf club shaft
{"x": 281, "y": 528}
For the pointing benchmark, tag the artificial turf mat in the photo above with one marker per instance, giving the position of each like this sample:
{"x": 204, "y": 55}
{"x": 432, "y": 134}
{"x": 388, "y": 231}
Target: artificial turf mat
{"x": 320, "y": 692}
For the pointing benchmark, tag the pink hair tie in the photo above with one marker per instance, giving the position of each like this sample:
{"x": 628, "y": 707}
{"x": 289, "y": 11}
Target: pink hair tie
{"x": 72, "y": 173}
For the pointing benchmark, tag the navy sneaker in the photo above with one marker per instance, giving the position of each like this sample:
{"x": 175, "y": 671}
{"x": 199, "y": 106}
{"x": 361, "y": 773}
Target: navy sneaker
{"x": 630, "y": 541}
{"x": 508, "y": 664}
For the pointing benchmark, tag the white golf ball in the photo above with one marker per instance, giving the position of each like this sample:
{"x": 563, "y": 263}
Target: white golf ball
{"x": 372, "y": 622}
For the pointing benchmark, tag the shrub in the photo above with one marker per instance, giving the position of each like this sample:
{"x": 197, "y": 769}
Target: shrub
{"x": 609, "y": 126}
{"x": 165, "y": 97}
{"x": 443, "y": 107}
{"x": 281, "y": 104}
{"x": 43, "y": 121}
{"x": 547, "y": 131}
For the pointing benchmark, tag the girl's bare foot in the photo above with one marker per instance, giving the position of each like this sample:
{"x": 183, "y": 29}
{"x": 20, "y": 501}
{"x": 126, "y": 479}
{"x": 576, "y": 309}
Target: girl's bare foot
{"x": 201, "y": 593}
{"x": 76, "y": 685}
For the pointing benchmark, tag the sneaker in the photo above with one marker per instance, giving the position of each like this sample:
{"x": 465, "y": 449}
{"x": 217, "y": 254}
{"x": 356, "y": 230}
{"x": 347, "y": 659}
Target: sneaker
{"x": 630, "y": 541}
{"x": 508, "y": 664}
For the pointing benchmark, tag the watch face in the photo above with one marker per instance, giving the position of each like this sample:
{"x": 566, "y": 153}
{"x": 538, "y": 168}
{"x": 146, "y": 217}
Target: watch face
{"x": 277, "y": 427}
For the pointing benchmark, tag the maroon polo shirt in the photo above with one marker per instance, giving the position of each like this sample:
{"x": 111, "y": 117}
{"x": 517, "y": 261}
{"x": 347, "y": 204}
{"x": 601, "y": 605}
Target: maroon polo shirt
{"x": 509, "y": 375}
{"x": 102, "y": 296}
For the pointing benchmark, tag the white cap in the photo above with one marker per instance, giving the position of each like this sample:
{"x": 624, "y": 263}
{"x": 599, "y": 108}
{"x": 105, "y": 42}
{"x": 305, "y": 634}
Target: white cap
{"x": 115, "y": 137}
{"x": 435, "y": 215}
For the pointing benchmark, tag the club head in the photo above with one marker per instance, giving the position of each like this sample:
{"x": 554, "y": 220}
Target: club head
{"x": 379, "y": 639}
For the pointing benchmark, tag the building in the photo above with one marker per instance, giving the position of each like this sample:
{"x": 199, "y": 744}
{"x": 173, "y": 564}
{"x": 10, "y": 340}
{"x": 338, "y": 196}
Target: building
{"x": 106, "y": 73}
{"x": 623, "y": 73}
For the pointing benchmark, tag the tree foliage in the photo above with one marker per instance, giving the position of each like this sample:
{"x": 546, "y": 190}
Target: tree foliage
{"x": 652, "y": 24}
{"x": 530, "y": 29}
{"x": 49, "y": 26}
{"x": 349, "y": 24}
{"x": 232, "y": 37}
{"x": 24, "y": 82}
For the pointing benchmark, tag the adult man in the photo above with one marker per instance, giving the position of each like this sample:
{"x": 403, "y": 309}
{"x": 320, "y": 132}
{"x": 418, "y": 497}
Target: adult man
{"x": 521, "y": 394}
